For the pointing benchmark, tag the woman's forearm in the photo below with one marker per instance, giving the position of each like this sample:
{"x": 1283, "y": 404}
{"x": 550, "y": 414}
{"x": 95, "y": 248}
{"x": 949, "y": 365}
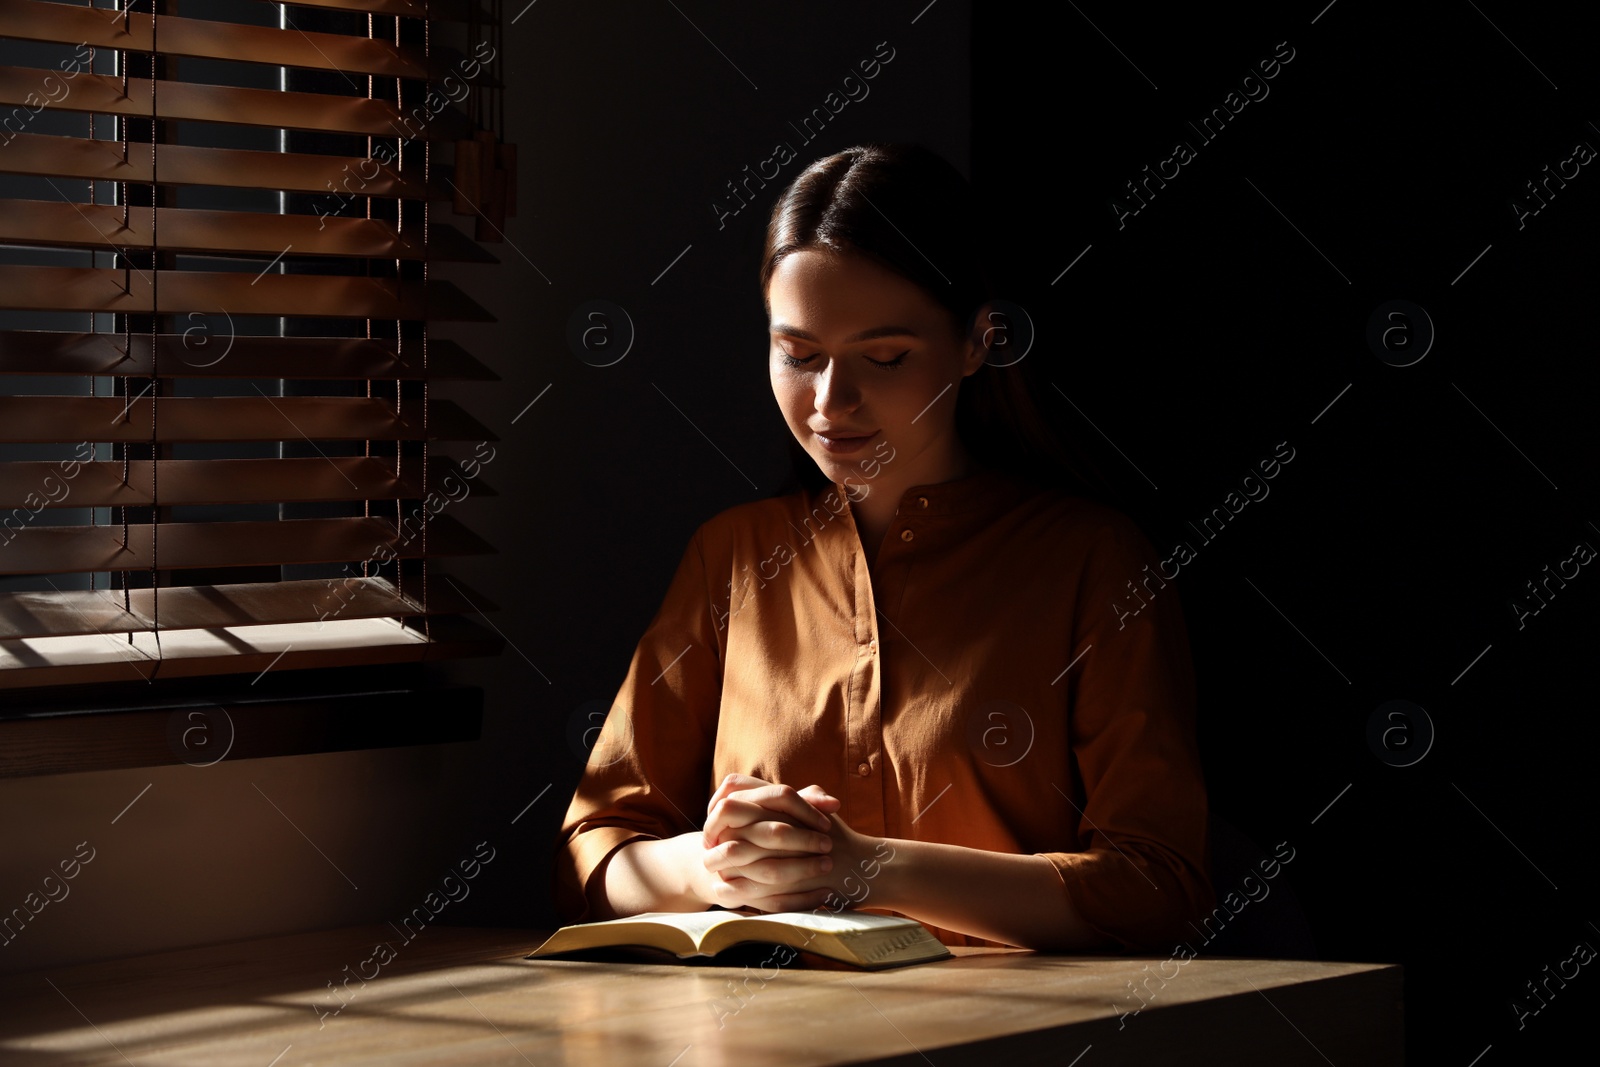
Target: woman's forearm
{"x": 999, "y": 896}
{"x": 647, "y": 874}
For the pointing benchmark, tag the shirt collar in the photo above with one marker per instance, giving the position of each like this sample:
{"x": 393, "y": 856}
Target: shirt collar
{"x": 980, "y": 491}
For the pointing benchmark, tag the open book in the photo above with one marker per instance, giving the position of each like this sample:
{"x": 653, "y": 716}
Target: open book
{"x": 860, "y": 939}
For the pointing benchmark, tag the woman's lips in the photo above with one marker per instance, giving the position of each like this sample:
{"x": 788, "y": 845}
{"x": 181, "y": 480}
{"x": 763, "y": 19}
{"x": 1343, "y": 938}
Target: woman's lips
{"x": 843, "y": 445}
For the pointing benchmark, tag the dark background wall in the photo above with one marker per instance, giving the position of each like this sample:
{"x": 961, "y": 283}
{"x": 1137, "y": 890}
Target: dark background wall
{"x": 1228, "y": 315}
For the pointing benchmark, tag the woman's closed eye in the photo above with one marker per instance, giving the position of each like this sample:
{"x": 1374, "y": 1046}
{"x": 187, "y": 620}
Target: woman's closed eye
{"x": 891, "y": 364}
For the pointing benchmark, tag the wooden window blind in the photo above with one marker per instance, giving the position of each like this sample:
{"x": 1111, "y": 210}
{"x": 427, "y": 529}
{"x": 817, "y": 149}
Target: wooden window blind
{"x": 219, "y": 448}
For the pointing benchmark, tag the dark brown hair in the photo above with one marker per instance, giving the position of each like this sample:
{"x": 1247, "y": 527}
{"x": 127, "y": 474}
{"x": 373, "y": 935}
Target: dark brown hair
{"x": 911, "y": 211}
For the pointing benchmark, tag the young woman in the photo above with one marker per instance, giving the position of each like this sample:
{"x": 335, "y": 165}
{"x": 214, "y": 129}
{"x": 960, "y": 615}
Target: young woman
{"x": 930, "y": 679}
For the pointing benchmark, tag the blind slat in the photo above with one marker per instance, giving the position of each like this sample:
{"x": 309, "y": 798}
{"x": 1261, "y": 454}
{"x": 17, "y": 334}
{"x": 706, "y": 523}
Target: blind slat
{"x": 102, "y": 659}
{"x": 209, "y": 350}
{"x": 88, "y": 289}
{"x": 80, "y": 549}
{"x": 68, "y": 419}
{"x": 33, "y": 20}
{"x": 90, "y": 611}
{"x": 237, "y": 168}
{"x": 319, "y": 112}
{"x": 451, "y": 10}
{"x": 42, "y": 223}
{"x": 31, "y": 487}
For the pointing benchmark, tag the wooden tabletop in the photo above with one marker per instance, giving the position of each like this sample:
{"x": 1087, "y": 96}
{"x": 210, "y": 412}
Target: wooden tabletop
{"x": 465, "y": 996}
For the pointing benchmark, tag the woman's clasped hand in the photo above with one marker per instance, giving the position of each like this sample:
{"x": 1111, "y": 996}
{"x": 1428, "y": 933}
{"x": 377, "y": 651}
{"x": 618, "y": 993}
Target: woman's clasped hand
{"x": 776, "y": 848}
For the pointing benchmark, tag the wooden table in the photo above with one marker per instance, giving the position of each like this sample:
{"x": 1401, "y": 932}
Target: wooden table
{"x": 465, "y": 996}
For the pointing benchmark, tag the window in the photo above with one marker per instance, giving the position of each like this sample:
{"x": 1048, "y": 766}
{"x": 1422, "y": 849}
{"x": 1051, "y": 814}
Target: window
{"x": 219, "y": 448}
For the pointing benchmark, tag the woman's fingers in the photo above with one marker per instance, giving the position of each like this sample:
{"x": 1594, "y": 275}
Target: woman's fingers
{"x": 740, "y": 859}
{"x": 768, "y": 801}
{"x": 741, "y": 820}
{"x": 821, "y": 799}
{"x": 734, "y": 783}
{"x": 741, "y": 893}
{"x": 733, "y": 889}
{"x": 746, "y": 870}
{"x": 778, "y": 875}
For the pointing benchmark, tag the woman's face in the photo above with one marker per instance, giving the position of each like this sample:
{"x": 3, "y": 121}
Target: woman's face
{"x": 866, "y": 367}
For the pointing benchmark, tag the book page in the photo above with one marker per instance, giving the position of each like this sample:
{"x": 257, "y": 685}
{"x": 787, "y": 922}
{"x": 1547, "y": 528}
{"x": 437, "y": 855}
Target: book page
{"x": 698, "y": 922}
{"x": 841, "y": 922}
{"x": 695, "y": 923}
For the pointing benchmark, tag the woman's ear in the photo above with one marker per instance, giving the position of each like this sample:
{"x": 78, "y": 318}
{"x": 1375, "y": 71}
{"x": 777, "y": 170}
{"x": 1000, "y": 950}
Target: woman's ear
{"x": 987, "y": 332}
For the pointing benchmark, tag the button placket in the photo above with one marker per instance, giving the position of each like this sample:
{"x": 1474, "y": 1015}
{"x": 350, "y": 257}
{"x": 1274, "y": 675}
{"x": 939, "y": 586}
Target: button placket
{"x": 864, "y": 799}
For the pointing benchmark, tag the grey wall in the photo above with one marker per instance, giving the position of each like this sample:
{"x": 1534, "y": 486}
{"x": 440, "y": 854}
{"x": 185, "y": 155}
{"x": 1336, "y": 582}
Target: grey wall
{"x": 628, "y": 121}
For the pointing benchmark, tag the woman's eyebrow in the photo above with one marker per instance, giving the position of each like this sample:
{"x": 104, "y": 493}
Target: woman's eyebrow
{"x": 864, "y": 335}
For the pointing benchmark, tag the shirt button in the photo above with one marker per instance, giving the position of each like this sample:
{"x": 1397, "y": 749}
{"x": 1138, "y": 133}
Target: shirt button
{"x": 922, "y": 501}
{"x": 863, "y": 769}
{"x": 906, "y": 535}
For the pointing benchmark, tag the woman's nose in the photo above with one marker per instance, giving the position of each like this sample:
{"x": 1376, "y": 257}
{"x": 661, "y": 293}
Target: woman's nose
{"x": 836, "y": 392}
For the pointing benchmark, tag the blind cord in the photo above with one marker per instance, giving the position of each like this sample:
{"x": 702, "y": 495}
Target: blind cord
{"x": 127, "y": 318}
{"x": 155, "y": 336}
{"x": 427, "y": 156}
{"x": 399, "y": 338}
{"x": 94, "y": 326}
{"x": 366, "y": 503}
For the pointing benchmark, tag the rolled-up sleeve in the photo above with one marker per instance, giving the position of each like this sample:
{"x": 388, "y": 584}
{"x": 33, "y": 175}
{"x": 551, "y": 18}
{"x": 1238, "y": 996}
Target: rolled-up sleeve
{"x": 1138, "y": 798}
{"x": 648, "y": 774}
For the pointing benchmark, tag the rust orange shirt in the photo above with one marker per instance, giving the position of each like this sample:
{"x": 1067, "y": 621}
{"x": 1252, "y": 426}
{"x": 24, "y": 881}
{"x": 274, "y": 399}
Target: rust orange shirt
{"x": 1012, "y": 674}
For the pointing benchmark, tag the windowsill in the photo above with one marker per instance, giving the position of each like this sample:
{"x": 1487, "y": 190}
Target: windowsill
{"x": 346, "y": 709}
